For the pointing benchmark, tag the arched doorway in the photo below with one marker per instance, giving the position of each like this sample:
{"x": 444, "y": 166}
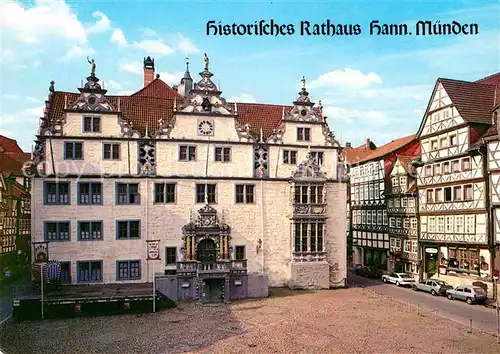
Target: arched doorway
{"x": 206, "y": 251}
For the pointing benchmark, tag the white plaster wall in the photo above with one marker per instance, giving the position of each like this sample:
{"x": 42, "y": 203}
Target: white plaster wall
{"x": 109, "y": 125}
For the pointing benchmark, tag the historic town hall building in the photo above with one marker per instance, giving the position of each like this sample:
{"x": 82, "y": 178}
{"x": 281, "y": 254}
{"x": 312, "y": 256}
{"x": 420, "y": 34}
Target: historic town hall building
{"x": 239, "y": 195}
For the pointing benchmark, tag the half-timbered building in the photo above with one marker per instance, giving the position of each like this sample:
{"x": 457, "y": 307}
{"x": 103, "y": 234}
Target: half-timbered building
{"x": 455, "y": 236}
{"x": 15, "y": 207}
{"x": 401, "y": 200}
{"x": 369, "y": 178}
{"x": 238, "y": 195}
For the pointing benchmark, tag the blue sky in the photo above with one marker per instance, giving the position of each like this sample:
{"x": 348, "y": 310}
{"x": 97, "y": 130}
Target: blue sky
{"x": 376, "y": 87}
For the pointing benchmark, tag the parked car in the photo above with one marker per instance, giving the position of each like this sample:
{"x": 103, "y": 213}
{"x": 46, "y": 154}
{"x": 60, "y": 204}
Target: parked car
{"x": 368, "y": 272}
{"x": 470, "y": 293}
{"x": 400, "y": 279}
{"x": 433, "y": 286}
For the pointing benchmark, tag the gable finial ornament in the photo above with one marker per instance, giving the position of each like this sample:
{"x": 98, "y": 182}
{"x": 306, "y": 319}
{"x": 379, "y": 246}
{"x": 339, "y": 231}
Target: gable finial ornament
{"x": 92, "y": 66}
{"x": 51, "y": 87}
{"x": 303, "y": 83}
{"x": 206, "y": 59}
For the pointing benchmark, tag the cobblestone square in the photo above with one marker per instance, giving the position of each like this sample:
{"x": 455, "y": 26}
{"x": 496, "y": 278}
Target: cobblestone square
{"x": 335, "y": 321}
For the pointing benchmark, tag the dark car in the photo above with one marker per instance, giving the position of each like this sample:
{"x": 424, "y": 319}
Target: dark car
{"x": 368, "y": 272}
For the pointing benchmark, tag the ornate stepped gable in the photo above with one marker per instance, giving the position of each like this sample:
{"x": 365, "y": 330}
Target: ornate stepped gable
{"x": 154, "y": 107}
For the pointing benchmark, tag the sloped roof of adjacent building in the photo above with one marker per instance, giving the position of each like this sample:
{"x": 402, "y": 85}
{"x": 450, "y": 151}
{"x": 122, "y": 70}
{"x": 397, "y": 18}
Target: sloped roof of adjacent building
{"x": 156, "y": 101}
{"x": 9, "y": 145}
{"x": 388, "y": 148}
{"x": 356, "y": 154}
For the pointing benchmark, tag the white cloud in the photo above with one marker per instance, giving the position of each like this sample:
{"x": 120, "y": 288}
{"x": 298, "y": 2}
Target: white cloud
{"x": 77, "y": 52}
{"x": 243, "y": 98}
{"x": 416, "y": 93}
{"x": 22, "y": 125}
{"x": 115, "y": 85}
{"x": 101, "y": 25}
{"x": 148, "y": 32}
{"x": 44, "y": 19}
{"x": 172, "y": 78}
{"x": 346, "y": 78}
{"x": 348, "y": 115}
{"x": 185, "y": 45}
{"x": 133, "y": 67}
{"x": 118, "y": 37}
{"x": 154, "y": 47}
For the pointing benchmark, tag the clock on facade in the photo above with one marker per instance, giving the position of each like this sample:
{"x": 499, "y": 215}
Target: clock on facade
{"x": 205, "y": 127}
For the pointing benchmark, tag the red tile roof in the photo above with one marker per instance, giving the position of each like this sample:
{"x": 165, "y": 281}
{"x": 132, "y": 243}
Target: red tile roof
{"x": 9, "y": 145}
{"x": 493, "y": 79}
{"x": 405, "y": 162}
{"x": 354, "y": 155}
{"x": 473, "y": 100}
{"x": 388, "y": 148}
{"x": 156, "y": 100}
{"x": 12, "y": 163}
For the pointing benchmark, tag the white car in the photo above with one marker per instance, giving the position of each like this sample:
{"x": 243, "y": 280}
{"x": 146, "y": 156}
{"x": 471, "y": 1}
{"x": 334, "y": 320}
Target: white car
{"x": 400, "y": 279}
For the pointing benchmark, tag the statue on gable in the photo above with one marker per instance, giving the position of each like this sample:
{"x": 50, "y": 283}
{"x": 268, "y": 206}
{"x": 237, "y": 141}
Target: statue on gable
{"x": 207, "y": 61}
{"x": 92, "y": 66}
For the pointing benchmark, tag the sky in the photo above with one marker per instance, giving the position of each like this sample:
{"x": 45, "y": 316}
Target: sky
{"x": 373, "y": 87}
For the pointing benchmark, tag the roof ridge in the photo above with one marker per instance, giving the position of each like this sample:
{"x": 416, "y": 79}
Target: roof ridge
{"x": 151, "y": 83}
{"x": 465, "y": 82}
{"x": 487, "y": 77}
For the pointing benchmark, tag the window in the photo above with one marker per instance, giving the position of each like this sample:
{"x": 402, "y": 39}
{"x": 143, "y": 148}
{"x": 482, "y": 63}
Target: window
{"x": 404, "y": 202}
{"x": 470, "y": 224}
{"x": 379, "y": 217}
{"x": 443, "y": 142}
{"x": 171, "y": 255}
{"x": 440, "y": 224}
{"x": 407, "y": 246}
{"x": 393, "y": 243}
{"x": 411, "y": 202}
{"x": 222, "y": 154}
{"x": 457, "y": 193}
{"x": 244, "y": 193}
{"x": 452, "y": 140}
{"x": 128, "y": 270}
{"x": 434, "y": 145}
{"x": 446, "y": 113}
{"x": 468, "y": 195}
{"x": 428, "y": 171}
{"x": 89, "y": 230}
{"x": 390, "y": 203}
{"x": 466, "y": 164}
{"x": 439, "y": 195}
{"x": 57, "y": 231}
{"x": 395, "y": 181}
{"x": 437, "y": 170}
{"x": 290, "y": 157}
{"x": 459, "y": 224}
{"x": 430, "y": 196}
{"x": 455, "y": 166}
{"x": 240, "y": 252}
{"x": 89, "y": 271}
{"x": 127, "y": 193}
{"x": 397, "y": 202}
{"x": 363, "y": 216}
{"x": 164, "y": 193}
{"x": 56, "y": 193}
{"x": 66, "y": 272}
{"x": 308, "y": 194}
{"x": 398, "y": 243}
{"x": 73, "y": 151}
{"x": 311, "y": 232}
{"x": 187, "y": 153}
{"x": 402, "y": 181}
{"x": 413, "y": 223}
{"x": 392, "y": 222}
{"x": 111, "y": 151}
{"x": 90, "y": 193}
{"x": 303, "y": 134}
{"x": 447, "y": 194}
{"x": 369, "y": 217}
{"x": 370, "y": 191}
{"x": 128, "y": 230}
{"x": 318, "y": 156}
{"x": 384, "y": 216}
{"x": 398, "y": 223}
{"x": 406, "y": 223}
{"x": 446, "y": 167}
{"x": 414, "y": 246}
{"x": 200, "y": 193}
{"x": 432, "y": 224}
{"x": 91, "y": 124}
{"x": 449, "y": 224}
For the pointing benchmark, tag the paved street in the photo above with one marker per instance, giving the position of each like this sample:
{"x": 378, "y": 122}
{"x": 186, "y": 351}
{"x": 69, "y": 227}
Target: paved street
{"x": 482, "y": 317}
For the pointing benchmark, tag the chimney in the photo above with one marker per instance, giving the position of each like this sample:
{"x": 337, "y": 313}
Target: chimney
{"x": 348, "y": 145}
{"x": 149, "y": 70}
{"x": 368, "y": 144}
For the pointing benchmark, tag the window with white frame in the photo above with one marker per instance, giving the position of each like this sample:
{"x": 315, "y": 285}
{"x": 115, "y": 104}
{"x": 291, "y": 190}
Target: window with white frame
{"x": 414, "y": 246}
{"x": 432, "y": 224}
{"x": 376, "y": 191}
{"x": 398, "y": 222}
{"x": 413, "y": 223}
{"x": 366, "y": 191}
{"x": 406, "y": 223}
{"x": 390, "y": 203}
{"x": 470, "y": 224}
{"x": 398, "y": 243}
{"x": 370, "y": 191}
{"x": 395, "y": 181}
{"x": 406, "y": 246}
{"x": 440, "y": 225}
{"x": 397, "y": 202}
{"x": 403, "y": 202}
{"x": 411, "y": 202}
{"x": 369, "y": 217}
{"x": 459, "y": 224}
{"x": 379, "y": 217}
{"x": 392, "y": 222}
{"x": 363, "y": 217}
{"x": 384, "y": 216}
{"x": 449, "y": 224}
{"x": 402, "y": 181}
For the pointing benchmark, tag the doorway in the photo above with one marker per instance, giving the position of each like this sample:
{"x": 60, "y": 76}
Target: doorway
{"x": 213, "y": 290}
{"x": 206, "y": 252}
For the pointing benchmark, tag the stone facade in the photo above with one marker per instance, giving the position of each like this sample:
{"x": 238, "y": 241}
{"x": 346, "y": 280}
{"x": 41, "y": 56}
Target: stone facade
{"x": 267, "y": 181}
